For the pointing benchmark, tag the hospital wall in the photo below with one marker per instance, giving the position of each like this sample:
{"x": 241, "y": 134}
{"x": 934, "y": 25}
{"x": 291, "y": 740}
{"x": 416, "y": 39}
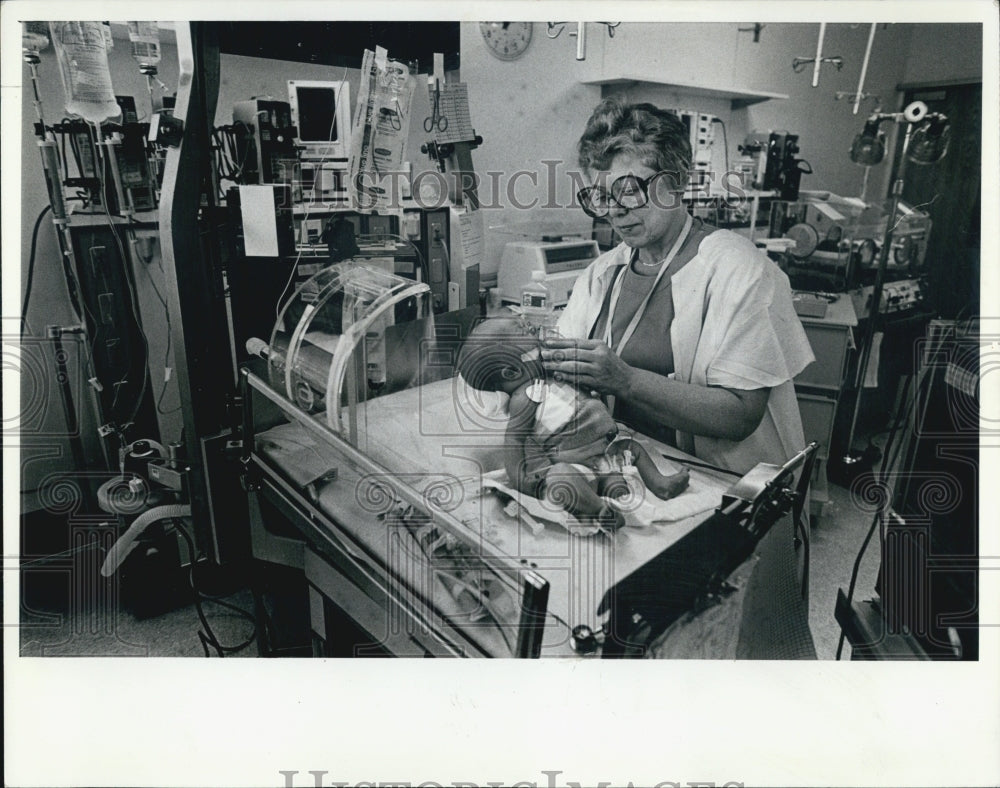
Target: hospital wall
{"x": 534, "y": 109}
{"x": 944, "y": 53}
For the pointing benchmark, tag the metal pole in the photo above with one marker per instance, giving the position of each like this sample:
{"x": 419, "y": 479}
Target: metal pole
{"x": 55, "y": 333}
{"x": 864, "y": 69}
{"x": 819, "y": 54}
{"x": 49, "y": 152}
{"x": 849, "y": 457}
{"x": 581, "y": 40}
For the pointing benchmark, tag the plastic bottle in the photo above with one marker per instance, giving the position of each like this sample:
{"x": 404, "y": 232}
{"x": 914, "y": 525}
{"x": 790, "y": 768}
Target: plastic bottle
{"x": 536, "y": 294}
{"x": 83, "y": 65}
{"x": 145, "y": 38}
{"x": 537, "y": 304}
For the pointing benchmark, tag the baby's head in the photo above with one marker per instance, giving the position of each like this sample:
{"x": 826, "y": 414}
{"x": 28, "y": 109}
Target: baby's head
{"x": 500, "y": 355}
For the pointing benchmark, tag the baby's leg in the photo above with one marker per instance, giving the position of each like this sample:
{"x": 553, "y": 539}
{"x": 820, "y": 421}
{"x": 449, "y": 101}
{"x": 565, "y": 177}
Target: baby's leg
{"x": 657, "y": 483}
{"x": 612, "y": 485}
{"x": 569, "y": 489}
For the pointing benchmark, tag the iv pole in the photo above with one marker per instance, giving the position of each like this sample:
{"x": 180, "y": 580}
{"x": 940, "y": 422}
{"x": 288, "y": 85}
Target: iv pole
{"x": 913, "y": 113}
{"x": 49, "y": 152}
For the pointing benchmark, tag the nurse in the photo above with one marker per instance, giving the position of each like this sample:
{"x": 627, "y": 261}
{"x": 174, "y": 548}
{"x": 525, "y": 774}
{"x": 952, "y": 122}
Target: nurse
{"x": 689, "y": 331}
{"x": 690, "y": 334}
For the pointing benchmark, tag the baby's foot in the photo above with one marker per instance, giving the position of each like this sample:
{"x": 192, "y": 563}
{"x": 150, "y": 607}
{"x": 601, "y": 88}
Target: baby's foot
{"x": 610, "y": 519}
{"x": 667, "y": 487}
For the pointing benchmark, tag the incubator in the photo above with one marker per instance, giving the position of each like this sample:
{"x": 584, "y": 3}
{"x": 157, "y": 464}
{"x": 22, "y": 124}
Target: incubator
{"x": 348, "y": 425}
{"x": 376, "y": 470}
{"x": 837, "y": 240}
{"x": 330, "y": 336}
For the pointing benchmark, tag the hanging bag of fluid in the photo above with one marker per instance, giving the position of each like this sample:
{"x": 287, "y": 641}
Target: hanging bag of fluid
{"x": 145, "y": 38}
{"x": 83, "y": 65}
{"x": 34, "y": 36}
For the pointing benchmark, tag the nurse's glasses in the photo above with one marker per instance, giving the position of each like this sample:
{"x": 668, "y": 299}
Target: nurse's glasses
{"x": 627, "y": 191}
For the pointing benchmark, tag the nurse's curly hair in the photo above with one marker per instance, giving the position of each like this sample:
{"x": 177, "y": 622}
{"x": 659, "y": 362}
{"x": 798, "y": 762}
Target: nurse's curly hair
{"x": 655, "y": 136}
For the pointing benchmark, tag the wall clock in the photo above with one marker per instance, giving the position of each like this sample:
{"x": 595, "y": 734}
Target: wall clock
{"x": 506, "y": 40}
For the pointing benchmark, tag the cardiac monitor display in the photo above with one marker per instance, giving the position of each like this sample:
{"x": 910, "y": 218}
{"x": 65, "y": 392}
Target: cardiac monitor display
{"x": 317, "y": 115}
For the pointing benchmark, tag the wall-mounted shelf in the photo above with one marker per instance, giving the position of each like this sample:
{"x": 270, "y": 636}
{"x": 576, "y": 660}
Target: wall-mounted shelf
{"x": 739, "y": 97}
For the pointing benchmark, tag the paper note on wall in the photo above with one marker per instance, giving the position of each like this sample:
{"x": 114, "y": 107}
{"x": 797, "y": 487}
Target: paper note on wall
{"x": 453, "y": 104}
{"x": 471, "y": 233}
{"x": 260, "y": 230}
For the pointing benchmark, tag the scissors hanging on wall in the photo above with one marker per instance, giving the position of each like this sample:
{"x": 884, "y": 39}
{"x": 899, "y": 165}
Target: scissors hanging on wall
{"x": 436, "y": 121}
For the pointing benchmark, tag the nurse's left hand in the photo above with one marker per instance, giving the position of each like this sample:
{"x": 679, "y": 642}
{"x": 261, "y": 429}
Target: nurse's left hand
{"x": 587, "y": 364}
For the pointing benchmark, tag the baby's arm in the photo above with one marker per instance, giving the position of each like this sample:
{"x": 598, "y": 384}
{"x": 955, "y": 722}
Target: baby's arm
{"x": 519, "y": 428}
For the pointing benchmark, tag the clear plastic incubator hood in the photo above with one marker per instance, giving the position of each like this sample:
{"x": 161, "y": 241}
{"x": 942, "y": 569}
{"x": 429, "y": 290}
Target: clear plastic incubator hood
{"x": 328, "y": 347}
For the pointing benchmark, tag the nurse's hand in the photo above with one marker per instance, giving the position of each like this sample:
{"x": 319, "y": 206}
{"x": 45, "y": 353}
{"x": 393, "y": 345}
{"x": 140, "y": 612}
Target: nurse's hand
{"x": 587, "y": 364}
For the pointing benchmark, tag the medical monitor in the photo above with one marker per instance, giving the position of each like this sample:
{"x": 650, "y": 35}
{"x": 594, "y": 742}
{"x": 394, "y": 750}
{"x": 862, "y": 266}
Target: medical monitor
{"x": 321, "y": 111}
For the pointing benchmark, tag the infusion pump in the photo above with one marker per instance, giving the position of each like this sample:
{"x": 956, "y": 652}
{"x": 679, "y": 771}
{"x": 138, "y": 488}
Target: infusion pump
{"x": 561, "y": 262}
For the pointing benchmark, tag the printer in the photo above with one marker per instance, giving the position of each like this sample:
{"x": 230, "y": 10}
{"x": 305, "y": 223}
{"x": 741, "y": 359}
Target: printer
{"x": 561, "y": 262}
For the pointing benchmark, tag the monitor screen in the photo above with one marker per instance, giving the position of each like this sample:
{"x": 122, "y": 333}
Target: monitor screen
{"x": 321, "y": 112}
{"x": 317, "y": 121}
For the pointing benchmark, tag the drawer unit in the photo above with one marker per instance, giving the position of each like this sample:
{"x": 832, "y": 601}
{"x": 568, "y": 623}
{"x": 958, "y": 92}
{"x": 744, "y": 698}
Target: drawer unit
{"x": 818, "y": 386}
{"x": 817, "y": 420}
{"x": 830, "y": 345}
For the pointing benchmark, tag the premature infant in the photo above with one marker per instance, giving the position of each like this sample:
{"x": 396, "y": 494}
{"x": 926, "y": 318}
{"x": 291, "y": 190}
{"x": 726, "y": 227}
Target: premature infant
{"x": 562, "y": 446}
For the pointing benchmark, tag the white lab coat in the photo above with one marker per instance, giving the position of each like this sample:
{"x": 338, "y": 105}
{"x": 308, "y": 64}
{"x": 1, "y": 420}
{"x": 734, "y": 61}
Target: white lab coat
{"x": 734, "y": 326}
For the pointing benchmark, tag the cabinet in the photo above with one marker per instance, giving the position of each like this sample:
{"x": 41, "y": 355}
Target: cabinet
{"x": 818, "y": 386}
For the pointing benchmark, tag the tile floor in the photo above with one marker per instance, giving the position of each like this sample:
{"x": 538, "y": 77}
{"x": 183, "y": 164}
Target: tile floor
{"x": 102, "y": 628}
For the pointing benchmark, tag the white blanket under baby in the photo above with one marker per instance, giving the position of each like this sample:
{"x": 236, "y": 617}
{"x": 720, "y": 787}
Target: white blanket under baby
{"x": 641, "y": 509}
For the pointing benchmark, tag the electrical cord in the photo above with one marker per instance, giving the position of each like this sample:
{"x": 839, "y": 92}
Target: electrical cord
{"x": 248, "y": 132}
{"x": 167, "y": 352}
{"x": 444, "y": 248}
{"x": 207, "y": 635}
{"x": 69, "y": 273}
{"x": 878, "y": 520}
{"x": 31, "y": 268}
{"x": 133, "y": 300}
{"x": 226, "y": 151}
{"x": 74, "y": 289}
{"x": 725, "y": 140}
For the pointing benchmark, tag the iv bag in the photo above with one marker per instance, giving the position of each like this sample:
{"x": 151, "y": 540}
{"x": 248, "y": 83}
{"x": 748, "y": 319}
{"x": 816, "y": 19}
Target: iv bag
{"x": 145, "y": 38}
{"x": 83, "y": 65}
{"x": 35, "y": 36}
